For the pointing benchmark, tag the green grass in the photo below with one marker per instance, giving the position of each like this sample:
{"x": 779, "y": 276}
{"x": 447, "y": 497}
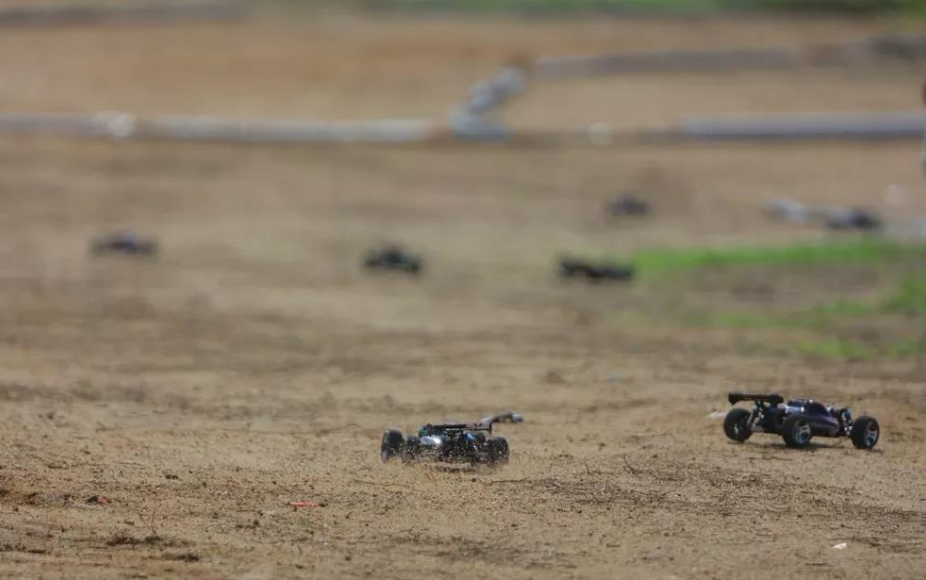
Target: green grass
{"x": 857, "y": 251}
{"x": 910, "y": 297}
{"x": 850, "y": 6}
{"x": 820, "y": 317}
{"x": 535, "y": 6}
{"x": 837, "y": 348}
{"x": 679, "y": 6}
{"x": 821, "y": 325}
{"x": 907, "y": 348}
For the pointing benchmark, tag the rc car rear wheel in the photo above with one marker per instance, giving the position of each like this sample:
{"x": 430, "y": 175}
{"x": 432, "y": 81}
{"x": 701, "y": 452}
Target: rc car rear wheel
{"x": 392, "y": 445}
{"x": 865, "y": 432}
{"x": 412, "y": 449}
{"x": 498, "y": 450}
{"x": 736, "y": 425}
{"x": 796, "y": 431}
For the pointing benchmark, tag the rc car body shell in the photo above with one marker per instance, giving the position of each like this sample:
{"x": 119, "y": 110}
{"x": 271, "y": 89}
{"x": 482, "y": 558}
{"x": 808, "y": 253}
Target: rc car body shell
{"x": 446, "y": 443}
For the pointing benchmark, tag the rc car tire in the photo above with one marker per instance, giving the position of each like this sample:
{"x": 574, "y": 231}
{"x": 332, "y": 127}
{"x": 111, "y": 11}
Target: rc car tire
{"x": 736, "y": 425}
{"x": 392, "y": 445}
{"x": 865, "y": 432}
{"x": 412, "y": 449}
{"x": 498, "y": 450}
{"x": 796, "y": 431}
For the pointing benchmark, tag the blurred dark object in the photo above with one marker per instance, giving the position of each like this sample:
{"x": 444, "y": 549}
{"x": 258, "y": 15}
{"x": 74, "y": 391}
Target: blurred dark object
{"x": 852, "y": 219}
{"x": 126, "y": 243}
{"x": 901, "y": 47}
{"x": 627, "y": 204}
{"x": 393, "y": 257}
{"x": 600, "y": 272}
{"x": 834, "y": 218}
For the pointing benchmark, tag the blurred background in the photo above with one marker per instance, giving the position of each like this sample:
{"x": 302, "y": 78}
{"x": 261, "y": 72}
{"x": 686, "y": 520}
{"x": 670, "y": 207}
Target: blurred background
{"x": 286, "y": 138}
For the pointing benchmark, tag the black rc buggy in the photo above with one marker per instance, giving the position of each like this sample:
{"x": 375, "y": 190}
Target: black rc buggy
{"x": 126, "y": 243}
{"x": 593, "y": 271}
{"x": 471, "y": 443}
{"x": 394, "y": 258}
{"x": 797, "y": 421}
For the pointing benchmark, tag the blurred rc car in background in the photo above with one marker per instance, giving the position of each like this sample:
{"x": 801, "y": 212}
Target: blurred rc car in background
{"x": 594, "y": 272}
{"x": 395, "y": 258}
{"x": 627, "y": 203}
{"x": 797, "y": 421}
{"x": 126, "y": 243}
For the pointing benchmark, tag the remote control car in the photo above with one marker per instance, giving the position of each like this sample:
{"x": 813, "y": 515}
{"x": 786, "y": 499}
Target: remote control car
{"x": 594, "y": 272}
{"x": 393, "y": 258}
{"x": 627, "y": 204}
{"x": 448, "y": 443}
{"x": 797, "y": 421}
{"x": 124, "y": 243}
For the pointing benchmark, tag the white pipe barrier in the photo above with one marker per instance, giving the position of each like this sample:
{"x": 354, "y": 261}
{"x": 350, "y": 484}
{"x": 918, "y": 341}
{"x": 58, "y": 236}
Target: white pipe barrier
{"x": 839, "y": 126}
{"x": 909, "y": 125}
{"x": 159, "y": 12}
{"x": 870, "y": 49}
{"x": 124, "y": 126}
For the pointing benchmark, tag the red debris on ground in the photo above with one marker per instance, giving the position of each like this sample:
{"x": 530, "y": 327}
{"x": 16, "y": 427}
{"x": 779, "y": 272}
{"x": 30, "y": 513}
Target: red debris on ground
{"x": 300, "y": 504}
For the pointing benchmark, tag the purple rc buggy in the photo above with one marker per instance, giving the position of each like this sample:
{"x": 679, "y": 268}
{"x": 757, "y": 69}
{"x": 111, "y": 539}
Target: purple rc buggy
{"x": 797, "y": 421}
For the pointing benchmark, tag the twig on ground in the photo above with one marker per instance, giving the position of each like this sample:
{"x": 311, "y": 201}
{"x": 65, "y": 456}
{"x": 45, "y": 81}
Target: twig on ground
{"x": 627, "y": 465}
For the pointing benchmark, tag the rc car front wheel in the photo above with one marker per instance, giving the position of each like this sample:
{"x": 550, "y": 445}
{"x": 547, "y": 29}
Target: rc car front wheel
{"x": 498, "y": 450}
{"x": 865, "y": 432}
{"x": 392, "y": 445}
{"x": 796, "y": 431}
{"x": 736, "y": 425}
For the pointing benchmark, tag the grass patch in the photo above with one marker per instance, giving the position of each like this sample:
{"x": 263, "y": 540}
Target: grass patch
{"x": 907, "y": 348}
{"x": 819, "y": 317}
{"x": 836, "y": 348}
{"x": 853, "y": 350}
{"x": 910, "y": 297}
{"x": 822, "y": 322}
{"x": 827, "y": 329}
{"x": 856, "y": 251}
{"x": 617, "y": 6}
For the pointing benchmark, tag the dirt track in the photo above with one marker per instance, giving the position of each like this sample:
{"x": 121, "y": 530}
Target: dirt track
{"x": 253, "y": 364}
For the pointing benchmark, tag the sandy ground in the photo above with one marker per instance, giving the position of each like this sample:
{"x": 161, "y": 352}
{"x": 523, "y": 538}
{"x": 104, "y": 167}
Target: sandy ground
{"x": 253, "y": 364}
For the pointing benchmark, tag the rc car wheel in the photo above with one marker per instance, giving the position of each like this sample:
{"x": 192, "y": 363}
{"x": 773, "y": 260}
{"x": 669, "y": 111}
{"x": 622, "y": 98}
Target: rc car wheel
{"x": 796, "y": 431}
{"x": 736, "y": 425}
{"x": 393, "y": 443}
{"x": 498, "y": 450}
{"x": 412, "y": 449}
{"x": 865, "y": 432}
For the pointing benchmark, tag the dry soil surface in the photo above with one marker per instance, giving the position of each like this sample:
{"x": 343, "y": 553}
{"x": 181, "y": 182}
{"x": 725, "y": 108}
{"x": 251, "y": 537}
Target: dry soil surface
{"x": 252, "y": 364}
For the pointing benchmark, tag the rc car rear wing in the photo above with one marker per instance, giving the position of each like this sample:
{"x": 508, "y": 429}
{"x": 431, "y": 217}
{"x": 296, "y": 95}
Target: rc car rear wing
{"x": 735, "y": 398}
{"x": 480, "y": 426}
